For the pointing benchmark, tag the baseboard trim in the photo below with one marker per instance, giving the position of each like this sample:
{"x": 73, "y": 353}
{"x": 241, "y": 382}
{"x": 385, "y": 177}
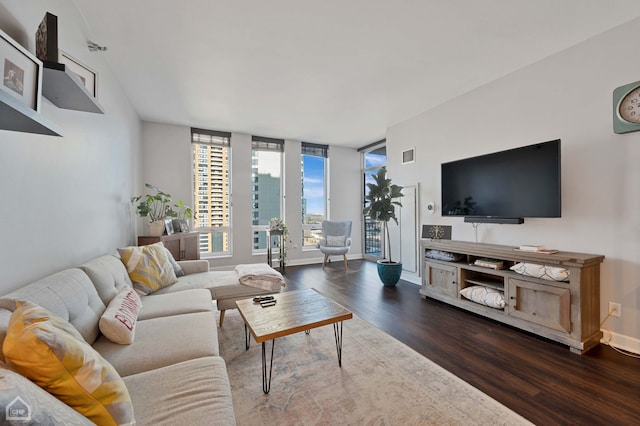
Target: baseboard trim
{"x": 411, "y": 277}
{"x": 620, "y": 341}
{"x": 316, "y": 260}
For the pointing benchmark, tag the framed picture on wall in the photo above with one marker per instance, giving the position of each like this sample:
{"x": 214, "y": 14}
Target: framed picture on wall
{"x": 87, "y": 76}
{"x": 47, "y": 38}
{"x": 21, "y": 72}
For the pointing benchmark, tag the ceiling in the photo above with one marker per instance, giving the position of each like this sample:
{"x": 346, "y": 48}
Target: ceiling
{"x": 327, "y": 71}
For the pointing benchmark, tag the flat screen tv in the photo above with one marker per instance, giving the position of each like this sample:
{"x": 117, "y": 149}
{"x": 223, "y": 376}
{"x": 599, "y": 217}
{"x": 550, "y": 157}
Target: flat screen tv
{"x": 505, "y": 186}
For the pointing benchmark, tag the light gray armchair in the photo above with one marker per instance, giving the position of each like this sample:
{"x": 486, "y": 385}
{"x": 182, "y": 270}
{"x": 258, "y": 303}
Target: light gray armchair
{"x": 336, "y": 240}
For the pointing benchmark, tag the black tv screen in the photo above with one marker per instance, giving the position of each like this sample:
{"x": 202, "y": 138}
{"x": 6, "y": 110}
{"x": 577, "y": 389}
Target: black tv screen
{"x": 517, "y": 183}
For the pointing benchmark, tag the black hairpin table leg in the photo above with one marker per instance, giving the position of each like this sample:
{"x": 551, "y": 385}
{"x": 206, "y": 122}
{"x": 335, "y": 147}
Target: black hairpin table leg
{"x": 337, "y": 331}
{"x": 247, "y": 337}
{"x": 266, "y": 375}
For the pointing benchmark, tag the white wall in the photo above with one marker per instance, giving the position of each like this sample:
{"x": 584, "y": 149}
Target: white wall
{"x": 345, "y": 181}
{"x": 65, "y": 199}
{"x": 167, "y": 164}
{"x": 567, "y": 96}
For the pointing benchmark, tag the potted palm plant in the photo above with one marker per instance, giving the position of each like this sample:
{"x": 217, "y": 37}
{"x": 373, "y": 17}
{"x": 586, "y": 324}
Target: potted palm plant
{"x": 155, "y": 207}
{"x": 381, "y": 206}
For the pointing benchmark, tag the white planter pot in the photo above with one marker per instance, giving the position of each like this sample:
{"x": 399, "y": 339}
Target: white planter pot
{"x": 156, "y": 228}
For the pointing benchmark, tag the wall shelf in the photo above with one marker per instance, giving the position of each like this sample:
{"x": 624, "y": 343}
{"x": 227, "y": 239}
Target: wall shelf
{"x": 63, "y": 88}
{"x": 18, "y": 117}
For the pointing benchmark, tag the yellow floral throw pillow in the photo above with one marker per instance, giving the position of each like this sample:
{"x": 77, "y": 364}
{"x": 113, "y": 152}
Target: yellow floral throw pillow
{"x": 148, "y": 267}
{"x": 49, "y": 351}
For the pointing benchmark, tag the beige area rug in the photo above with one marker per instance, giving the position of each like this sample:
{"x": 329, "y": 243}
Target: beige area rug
{"x": 381, "y": 382}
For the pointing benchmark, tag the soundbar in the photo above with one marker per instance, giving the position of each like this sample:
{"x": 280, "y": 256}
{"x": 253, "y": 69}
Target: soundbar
{"x": 494, "y": 219}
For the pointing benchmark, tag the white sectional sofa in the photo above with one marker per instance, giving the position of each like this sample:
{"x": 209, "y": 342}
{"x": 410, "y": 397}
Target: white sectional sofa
{"x": 225, "y": 286}
{"x": 172, "y": 369}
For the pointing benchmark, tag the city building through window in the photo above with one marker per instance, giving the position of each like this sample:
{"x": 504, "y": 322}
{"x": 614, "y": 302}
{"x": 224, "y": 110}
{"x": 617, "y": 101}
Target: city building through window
{"x": 314, "y": 192}
{"x": 266, "y": 186}
{"x": 212, "y": 190}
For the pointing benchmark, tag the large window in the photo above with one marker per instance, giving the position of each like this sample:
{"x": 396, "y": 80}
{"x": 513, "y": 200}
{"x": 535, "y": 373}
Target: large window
{"x": 314, "y": 192}
{"x": 266, "y": 187}
{"x": 373, "y": 158}
{"x": 212, "y": 189}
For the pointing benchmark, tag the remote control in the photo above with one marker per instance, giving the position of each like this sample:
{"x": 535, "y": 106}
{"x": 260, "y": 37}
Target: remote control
{"x": 262, "y": 298}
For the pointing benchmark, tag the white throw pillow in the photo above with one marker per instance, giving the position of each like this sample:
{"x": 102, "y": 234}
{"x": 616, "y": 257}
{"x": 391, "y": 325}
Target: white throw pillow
{"x": 484, "y": 296}
{"x": 551, "y": 273}
{"x": 336, "y": 240}
{"x": 118, "y": 323}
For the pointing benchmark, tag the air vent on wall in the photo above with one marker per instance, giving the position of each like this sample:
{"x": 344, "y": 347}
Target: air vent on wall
{"x": 409, "y": 156}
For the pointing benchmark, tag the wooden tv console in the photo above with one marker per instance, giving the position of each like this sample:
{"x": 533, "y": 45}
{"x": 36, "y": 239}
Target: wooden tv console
{"x": 566, "y": 312}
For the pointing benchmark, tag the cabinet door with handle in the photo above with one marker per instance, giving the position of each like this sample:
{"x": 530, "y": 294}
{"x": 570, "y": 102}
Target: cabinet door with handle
{"x": 545, "y": 304}
{"x": 190, "y": 246}
{"x": 441, "y": 278}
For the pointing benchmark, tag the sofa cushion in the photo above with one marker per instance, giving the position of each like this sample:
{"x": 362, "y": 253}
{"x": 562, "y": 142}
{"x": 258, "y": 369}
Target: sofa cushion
{"x": 163, "y": 341}
{"x": 118, "y": 323}
{"x": 189, "y": 393}
{"x": 182, "y": 302}
{"x": 148, "y": 267}
{"x": 336, "y": 240}
{"x": 43, "y": 408}
{"x": 49, "y": 351}
{"x": 193, "y": 266}
{"x": 224, "y": 287}
{"x": 208, "y": 280}
{"x": 221, "y": 284}
{"x": 227, "y": 295}
{"x": 69, "y": 294}
{"x": 108, "y": 275}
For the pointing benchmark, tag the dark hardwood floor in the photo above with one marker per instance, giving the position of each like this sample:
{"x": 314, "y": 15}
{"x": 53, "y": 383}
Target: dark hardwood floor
{"x": 539, "y": 379}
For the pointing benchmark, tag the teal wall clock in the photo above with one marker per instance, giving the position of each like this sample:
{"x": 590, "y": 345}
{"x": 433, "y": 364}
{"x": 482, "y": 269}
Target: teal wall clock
{"x": 626, "y": 108}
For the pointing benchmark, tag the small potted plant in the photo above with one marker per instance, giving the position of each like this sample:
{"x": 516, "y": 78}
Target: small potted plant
{"x": 183, "y": 212}
{"x": 155, "y": 207}
{"x": 277, "y": 224}
{"x": 382, "y": 208}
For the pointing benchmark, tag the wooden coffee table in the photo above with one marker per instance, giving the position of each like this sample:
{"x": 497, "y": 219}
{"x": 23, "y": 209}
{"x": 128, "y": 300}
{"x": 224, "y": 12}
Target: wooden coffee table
{"x": 294, "y": 311}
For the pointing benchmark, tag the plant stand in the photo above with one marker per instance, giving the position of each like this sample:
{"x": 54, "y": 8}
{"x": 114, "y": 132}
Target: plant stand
{"x": 279, "y": 235}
